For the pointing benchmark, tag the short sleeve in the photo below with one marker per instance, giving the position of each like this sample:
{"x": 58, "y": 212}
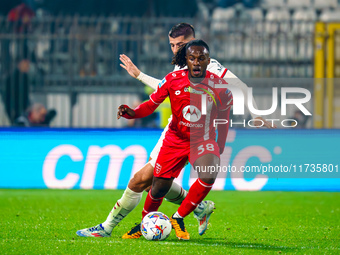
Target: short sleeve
{"x": 216, "y": 68}
{"x": 162, "y": 91}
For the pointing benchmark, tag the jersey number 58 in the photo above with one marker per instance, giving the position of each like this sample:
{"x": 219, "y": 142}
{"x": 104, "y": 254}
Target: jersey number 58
{"x": 209, "y": 147}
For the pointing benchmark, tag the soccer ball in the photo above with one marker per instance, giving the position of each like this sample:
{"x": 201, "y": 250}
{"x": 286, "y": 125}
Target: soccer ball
{"x": 156, "y": 226}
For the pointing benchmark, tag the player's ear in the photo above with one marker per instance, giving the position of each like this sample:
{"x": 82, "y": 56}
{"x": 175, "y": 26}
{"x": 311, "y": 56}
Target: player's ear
{"x": 208, "y": 60}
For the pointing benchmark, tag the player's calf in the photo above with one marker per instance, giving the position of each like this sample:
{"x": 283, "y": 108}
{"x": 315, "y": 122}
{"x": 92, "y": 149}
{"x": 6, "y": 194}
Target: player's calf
{"x": 122, "y": 208}
{"x": 176, "y": 194}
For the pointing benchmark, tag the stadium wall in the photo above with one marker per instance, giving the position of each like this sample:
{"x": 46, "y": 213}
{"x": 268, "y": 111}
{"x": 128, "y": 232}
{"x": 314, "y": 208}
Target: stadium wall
{"x": 107, "y": 158}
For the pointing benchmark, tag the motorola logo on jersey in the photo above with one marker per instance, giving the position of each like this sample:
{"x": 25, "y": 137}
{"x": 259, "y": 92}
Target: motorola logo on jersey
{"x": 194, "y": 91}
{"x": 191, "y": 113}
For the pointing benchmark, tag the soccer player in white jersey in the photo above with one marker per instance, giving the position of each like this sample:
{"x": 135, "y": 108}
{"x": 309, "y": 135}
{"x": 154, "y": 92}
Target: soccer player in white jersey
{"x": 178, "y": 35}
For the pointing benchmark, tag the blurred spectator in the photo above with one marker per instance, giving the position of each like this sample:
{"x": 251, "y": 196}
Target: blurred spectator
{"x": 35, "y": 116}
{"x": 21, "y": 16}
{"x": 22, "y": 13}
{"x": 16, "y": 96}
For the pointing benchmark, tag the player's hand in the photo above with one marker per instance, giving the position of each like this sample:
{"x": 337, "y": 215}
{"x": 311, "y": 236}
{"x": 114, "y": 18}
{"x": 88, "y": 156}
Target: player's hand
{"x": 123, "y": 109}
{"x": 129, "y": 66}
{"x": 265, "y": 123}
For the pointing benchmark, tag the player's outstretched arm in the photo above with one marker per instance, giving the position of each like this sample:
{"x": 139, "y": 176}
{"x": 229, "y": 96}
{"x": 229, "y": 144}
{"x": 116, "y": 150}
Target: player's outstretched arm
{"x": 141, "y": 111}
{"x": 133, "y": 70}
{"x": 129, "y": 66}
{"x": 125, "y": 111}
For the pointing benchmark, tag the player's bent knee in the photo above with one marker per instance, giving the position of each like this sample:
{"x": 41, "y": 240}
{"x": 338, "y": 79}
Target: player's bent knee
{"x": 160, "y": 187}
{"x": 138, "y": 184}
{"x": 159, "y": 192}
{"x": 141, "y": 179}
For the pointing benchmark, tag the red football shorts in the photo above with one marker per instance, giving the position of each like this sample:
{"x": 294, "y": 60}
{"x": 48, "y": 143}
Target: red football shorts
{"x": 175, "y": 153}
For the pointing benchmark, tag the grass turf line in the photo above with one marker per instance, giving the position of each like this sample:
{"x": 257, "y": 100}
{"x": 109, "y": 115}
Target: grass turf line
{"x": 45, "y": 222}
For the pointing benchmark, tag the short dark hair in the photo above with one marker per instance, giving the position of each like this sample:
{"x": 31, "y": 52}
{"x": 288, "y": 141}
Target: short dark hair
{"x": 179, "y": 58}
{"x": 182, "y": 29}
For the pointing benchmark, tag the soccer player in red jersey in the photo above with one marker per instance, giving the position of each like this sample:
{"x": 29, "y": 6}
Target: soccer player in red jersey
{"x": 178, "y": 35}
{"x": 191, "y": 134}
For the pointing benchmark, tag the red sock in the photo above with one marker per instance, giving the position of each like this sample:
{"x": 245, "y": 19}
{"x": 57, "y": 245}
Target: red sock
{"x": 151, "y": 204}
{"x": 197, "y": 192}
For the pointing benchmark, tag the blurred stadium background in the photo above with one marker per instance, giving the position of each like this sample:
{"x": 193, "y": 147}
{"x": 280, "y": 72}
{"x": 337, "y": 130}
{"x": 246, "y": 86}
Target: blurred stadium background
{"x": 65, "y": 55}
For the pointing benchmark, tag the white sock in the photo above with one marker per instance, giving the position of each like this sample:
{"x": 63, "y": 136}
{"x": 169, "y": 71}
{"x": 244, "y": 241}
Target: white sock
{"x": 176, "y": 215}
{"x": 176, "y": 194}
{"x": 123, "y": 207}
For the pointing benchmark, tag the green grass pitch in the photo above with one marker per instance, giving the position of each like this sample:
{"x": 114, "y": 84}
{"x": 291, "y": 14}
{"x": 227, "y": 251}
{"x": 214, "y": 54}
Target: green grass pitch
{"x": 46, "y": 221}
